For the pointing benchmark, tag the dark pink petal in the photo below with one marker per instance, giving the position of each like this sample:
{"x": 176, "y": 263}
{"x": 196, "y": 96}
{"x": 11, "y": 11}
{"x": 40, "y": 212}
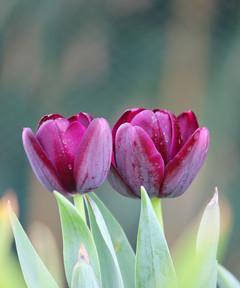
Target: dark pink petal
{"x": 84, "y": 118}
{"x": 118, "y": 184}
{"x": 138, "y": 161}
{"x": 188, "y": 124}
{"x": 94, "y": 159}
{"x": 41, "y": 165}
{"x": 49, "y": 117}
{"x": 72, "y": 138}
{"x": 126, "y": 117}
{"x": 170, "y": 137}
{"x": 57, "y": 139}
{"x": 181, "y": 171}
{"x": 147, "y": 120}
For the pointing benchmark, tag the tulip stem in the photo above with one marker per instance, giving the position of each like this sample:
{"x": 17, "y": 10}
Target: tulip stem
{"x": 157, "y": 206}
{"x": 79, "y": 204}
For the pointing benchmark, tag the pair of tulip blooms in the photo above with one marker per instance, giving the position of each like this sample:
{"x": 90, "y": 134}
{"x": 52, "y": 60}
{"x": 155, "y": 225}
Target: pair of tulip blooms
{"x": 150, "y": 148}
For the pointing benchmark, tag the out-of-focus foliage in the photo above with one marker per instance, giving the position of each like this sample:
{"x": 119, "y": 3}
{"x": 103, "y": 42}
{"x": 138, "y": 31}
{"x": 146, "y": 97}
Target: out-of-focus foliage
{"x": 10, "y": 273}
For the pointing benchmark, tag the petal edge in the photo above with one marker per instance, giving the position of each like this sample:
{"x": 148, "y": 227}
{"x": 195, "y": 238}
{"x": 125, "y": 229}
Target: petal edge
{"x": 183, "y": 168}
{"x": 137, "y": 160}
{"x": 41, "y": 165}
{"x": 94, "y": 159}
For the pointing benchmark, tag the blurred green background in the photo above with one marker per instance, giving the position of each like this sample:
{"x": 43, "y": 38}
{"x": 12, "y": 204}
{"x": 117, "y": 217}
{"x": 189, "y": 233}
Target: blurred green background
{"x": 66, "y": 56}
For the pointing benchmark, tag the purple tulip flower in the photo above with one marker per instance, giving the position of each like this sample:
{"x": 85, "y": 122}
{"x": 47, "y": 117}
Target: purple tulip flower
{"x": 70, "y": 155}
{"x": 157, "y": 150}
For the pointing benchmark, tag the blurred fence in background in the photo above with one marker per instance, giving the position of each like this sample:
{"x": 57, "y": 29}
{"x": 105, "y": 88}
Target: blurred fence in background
{"x": 104, "y": 56}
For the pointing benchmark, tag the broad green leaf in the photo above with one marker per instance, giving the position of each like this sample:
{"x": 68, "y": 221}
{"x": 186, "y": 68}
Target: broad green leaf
{"x": 110, "y": 270}
{"x": 207, "y": 243}
{"x": 83, "y": 274}
{"x": 34, "y": 271}
{"x": 154, "y": 266}
{"x": 226, "y": 279}
{"x": 75, "y": 234}
{"x": 83, "y": 277}
{"x": 123, "y": 250}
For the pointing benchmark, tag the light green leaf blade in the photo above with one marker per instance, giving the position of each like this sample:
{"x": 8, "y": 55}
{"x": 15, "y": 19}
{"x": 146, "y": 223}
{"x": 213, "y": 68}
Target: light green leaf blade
{"x": 154, "y": 266}
{"x": 83, "y": 274}
{"x": 83, "y": 277}
{"x": 110, "y": 270}
{"x": 123, "y": 250}
{"x": 75, "y": 233}
{"x": 34, "y": 271}
{"x": 226, "y": 279}
{"x": 207, "y": 244}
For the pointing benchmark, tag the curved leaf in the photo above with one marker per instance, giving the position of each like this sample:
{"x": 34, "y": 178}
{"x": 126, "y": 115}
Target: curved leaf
{"x": 154, "y": 266}
{"x": 123, "y": 250}
{"x": 34, "y": 271}
{"x": 226, "y": 279}
{"x": 75, "y": 234}
{"x": 207, "y": 244}
{"x": 110, "y": 270}
{"x": 83, "y": 274}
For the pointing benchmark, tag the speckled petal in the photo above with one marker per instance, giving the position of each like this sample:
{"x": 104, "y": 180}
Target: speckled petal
{"x": 181, "y": 171}
{"x": 94, "y": 159}
{"x": 49, "y": 117}
{"x": 84, "y": 118}
{"x": 188, "y": 124}
{"x": 137, "y": 160}
{"x": 60, "y": 140}
{"x": 41, "y": 165}
{"x": 118, "y": 184}
{"x": 170, "y": 134}
{"x": 147, "y": 120}
{"x": 126, "y": 117}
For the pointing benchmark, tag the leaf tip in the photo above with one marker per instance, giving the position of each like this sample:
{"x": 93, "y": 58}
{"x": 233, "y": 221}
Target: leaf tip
{"x": 214, "y": 200}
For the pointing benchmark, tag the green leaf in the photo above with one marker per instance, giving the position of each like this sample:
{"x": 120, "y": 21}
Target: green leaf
{"x": 75, "y": 234}
{"x": 110, "y": 270}
{"x": 207, "y": 243}
{"x": 226, "y": 279}
{"x": 34, "y": 271}
{"x": 83, "y": 274}
{"x": 154, "y": 266}
{"x": 123, "y": 250}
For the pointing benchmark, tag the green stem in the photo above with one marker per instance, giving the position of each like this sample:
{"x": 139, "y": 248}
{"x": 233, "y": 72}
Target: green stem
{"x": 79, "y": 204}
{"x": 157, "y": 206}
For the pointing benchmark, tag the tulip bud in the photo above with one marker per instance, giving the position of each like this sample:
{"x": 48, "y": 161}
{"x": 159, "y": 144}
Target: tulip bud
{"x": 69, "y": 155}
{"x": 157, "y": 150}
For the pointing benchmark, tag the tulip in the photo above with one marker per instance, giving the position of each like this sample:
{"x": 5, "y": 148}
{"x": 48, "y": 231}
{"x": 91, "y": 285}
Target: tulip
{"x": 157, "y": 150}
{"x": 70, "y": 155}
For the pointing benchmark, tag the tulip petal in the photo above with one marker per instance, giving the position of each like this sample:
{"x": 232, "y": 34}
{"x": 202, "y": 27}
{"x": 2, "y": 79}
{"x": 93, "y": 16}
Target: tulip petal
{"x": 60, "y": 140}
{"x": 138, "y": 161}
{"x": 188, "y": 123}
{"x": 41, "y": 165}
{"x": 94, "y": 159}
{"x": 170, "y": 137}
{"x": 49, "y": 117}
{"x": 126, "y": 117}
{"x": 147, "y": 120}
{"x": 84, "y": 118}
{"x": 181, "y": 171}
{"x": 118, "y": 184}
